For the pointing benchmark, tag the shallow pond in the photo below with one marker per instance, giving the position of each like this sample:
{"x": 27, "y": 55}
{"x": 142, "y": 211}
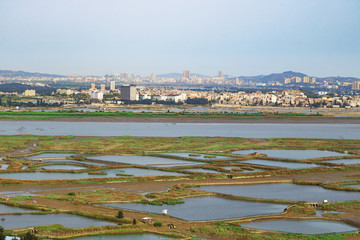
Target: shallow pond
{"x": 10, "y": 209}
{"x": 144, "y": 161}
{"x": 269, "y": 163}
{"x": 74, "y": 161}
{"x": 51, "y": 155}
{"x": 247, "y": 130}
{"x": 200, "y": 170}
{"x": 67, "y": 220}
{"x": 62, "y": 167}
{"x": 207, "y": 208}
{"x": 244, "y": 170}
{"x": 145, "y": 236}
{"x": 285, "y": 191}
{"x": 3, "y": 166}
{"x": 302, "y": 227}
{"x": 345, "y": 161}
{"x": 292, "y": 154}
{"x": 138, "y": 172}
{"x": 195, "y": 156}
{"x": 110, "y": 173}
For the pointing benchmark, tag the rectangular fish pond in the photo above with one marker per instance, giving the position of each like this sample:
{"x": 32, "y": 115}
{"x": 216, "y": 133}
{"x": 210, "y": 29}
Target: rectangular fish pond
{"x": 60, "y": 175}
{"x": 207, "y": 208}
{"x": 292, "y": 154}
{"x": 345, "y": 161}
{"x": 269, "y": 163}
{"x": 198, "y": 156}
{"x": 284, "y": 191}
{"x": 146, "y": 236}
{"x": 302, "y": 227}
{"x": 44, "y": 156}
{"x": 62, "y": 167}
{"x": 67, "y": 220}
{"x": 10, "y": 209}
{"x": 145, "y": 161}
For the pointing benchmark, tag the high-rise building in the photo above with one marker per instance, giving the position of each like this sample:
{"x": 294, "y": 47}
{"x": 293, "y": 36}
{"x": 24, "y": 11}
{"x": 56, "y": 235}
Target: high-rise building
{"x": 112, "y": 86}
{"x": 356, "y": 85}
{"x": 92, "y": 86}
{"x": 306, "y": 79}
{"x": 153, "y": 76}
{"x": 128, "y": 93}
{"x": 187, "y": 74}
{"x": 102, "y": 87}
{"x": 221, "y": 74}
{"x": 313, "y": 80}
{"x": 298, "y": 79}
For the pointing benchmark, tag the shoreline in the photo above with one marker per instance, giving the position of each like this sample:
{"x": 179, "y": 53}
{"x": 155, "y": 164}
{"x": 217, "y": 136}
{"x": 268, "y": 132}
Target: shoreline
{"x": 139, "y": 119}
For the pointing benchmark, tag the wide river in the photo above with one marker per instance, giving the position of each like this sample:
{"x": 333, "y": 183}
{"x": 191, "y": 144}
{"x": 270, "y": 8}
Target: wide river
{"x": 246, "y": 130}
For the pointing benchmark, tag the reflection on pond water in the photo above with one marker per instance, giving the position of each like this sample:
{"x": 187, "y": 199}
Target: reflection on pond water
{"x": 292, "y": 154}
{"x": 285, "y": 191}
{"x": 269, "y": 163}
{"x": 302, "y": 227}
{"x": 207, "y": 208}
{"x": 67, "y": 220}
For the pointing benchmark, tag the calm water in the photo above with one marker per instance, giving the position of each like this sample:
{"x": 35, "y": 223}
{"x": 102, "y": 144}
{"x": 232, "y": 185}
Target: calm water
{"x": 345, "y": 161}
{"x": 51, "y": 155}
{"x": 303, "y": 227}
{"x": 144, "y": 161}
{"x": 201, "y": 156}
{"x": 110, "y": 173}
{"x": 293, "y": 154}
{"x": 67, "y": 220}
{"x": 270, "y": 163}
{"x": 51, "y": 128}
{"x": 73, "y": 161}
{"x": 146, "y": 236}
{"x": 3, "y": 166}
{"x": 285, "y": 191}
{"x": 200, "y": 170}
{"x": 10, "y": 209}
{"x": 207, "y": 208}
{"x": 244, "y": 171}
{"x": 62, "y": 167}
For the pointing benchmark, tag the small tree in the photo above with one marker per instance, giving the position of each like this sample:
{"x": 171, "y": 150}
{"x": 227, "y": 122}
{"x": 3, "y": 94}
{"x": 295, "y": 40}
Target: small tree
{"x": 134, "y": 221}
{"x": 157, "y": 224}
{"x": 29, "y": 236}
{"x": 120, "y": 214}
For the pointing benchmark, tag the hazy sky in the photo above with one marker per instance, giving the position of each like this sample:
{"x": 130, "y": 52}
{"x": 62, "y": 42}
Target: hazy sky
{"x": 240, "y": 37}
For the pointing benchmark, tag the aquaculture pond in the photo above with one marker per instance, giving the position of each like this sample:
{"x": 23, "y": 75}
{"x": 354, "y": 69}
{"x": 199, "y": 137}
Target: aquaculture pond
{"x": 74, "y": 161}
{"x": 269, "y": 163}
{"x": 67, "y": 220}
{"x": 62, "y": 167}
{"x": 195, "y": 156}
{"x": 345, "y": 161}
{"x": 243, "y": 170}
{"x": 200, "y": 170}
{"x": 146, "y": 236}
{"x": 302, "y": 227}
{"x": 9, "y": 209}
{"x": 144, "y": 161}
{"x": 3, "y": 166}
{"x": 207, "y": 208}
{"x": 138, "y": 172}
{"x": 59, "y": 175}
{"x": 292, "y": 154}
{"x": 285, "y": 191}
{"x": 51, "y": 155}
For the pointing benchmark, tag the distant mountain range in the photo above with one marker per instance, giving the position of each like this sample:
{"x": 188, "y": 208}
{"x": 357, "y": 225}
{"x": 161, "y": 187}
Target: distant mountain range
{"x": 9, "y": 73}
{"x": 260, "y": 78}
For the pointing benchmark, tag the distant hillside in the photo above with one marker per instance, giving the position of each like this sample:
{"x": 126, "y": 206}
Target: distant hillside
{"x": 289, "y": 74}
{"x": 179, "y": 75}
{"x": 20, "y": 88}
{"x": 9, "y": 73}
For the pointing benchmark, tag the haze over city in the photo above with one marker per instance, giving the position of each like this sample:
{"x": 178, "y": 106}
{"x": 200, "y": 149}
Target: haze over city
{"x": 91, "y": 37}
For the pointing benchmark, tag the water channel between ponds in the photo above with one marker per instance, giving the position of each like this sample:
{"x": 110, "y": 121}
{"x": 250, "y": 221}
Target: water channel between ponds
{"x": 110, "y": 173}
{"x": 246, "y": 130}
{"x": 195, "y": 156}
{"x": 292, "y": 154}
{"x": 145, "y": 161}
{"x": 10, "y": 209}
{"x": 302, "y": 227}
{"x": 67, "y": 220}
{"x": 207, "y": 208}
{"x": 146, "y": 236}
{"x": 269, "y": 163}
{"x": 284, "y": 191}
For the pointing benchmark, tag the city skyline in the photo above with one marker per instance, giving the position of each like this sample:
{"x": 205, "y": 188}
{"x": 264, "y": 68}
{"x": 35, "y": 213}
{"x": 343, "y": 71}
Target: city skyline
{"x": 240, "y": 38}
